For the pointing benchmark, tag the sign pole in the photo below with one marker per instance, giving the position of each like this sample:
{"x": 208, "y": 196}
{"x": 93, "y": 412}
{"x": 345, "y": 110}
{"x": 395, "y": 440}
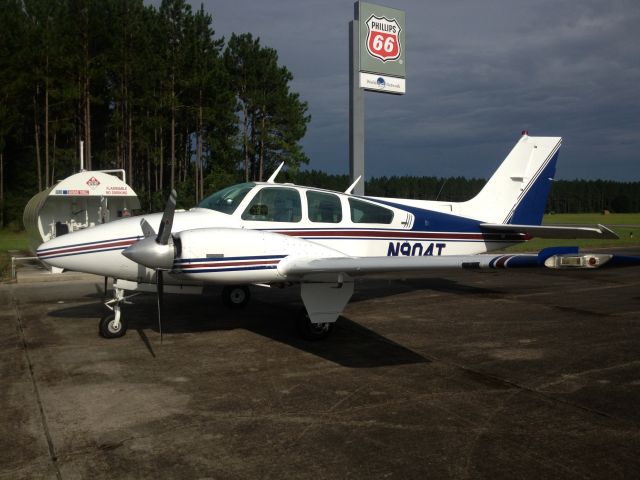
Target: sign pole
{"x": 377, "y": 64}
{"x": 356, "y": 107}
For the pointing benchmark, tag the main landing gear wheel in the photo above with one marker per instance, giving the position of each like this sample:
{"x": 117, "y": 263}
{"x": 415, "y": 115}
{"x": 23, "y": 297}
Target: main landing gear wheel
{"x": 109, "y": 328}
{"x": 312, "y": 331}
{"x": 236, "y": 296}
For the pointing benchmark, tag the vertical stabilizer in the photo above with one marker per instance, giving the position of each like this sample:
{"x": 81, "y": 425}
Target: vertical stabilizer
{"x": 517, "y": 192}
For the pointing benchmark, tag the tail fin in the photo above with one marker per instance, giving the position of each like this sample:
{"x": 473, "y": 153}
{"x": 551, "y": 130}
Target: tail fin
{"x": 518, "y": 190}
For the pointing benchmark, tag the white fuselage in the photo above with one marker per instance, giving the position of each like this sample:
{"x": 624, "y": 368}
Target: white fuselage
{"x": 246, "y": 245}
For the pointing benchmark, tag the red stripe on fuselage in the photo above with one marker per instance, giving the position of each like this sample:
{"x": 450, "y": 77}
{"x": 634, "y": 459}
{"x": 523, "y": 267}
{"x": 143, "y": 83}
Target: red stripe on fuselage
{"x": 66, "y": 250}
{"x": 227, "y": 264}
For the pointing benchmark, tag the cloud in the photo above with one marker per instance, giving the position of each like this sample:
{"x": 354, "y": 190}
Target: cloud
{"x": 477, "y": 74}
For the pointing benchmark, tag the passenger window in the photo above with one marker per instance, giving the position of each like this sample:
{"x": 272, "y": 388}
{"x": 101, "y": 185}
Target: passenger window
{"x": 364, "y": 212}
{"x": 274, "y": 204}
{"x": 324, "y": 207}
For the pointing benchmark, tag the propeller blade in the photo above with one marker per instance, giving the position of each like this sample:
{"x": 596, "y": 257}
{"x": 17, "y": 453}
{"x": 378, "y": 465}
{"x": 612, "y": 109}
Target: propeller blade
{"x": 147, "y": 230}
{"x": 160, "y": 288}
{"x": 164, "y": 231}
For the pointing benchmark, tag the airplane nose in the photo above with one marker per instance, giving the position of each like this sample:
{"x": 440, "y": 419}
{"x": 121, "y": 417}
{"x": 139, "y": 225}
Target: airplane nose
{"x": 94, "y": 250}
{"x": 52, "y": 251}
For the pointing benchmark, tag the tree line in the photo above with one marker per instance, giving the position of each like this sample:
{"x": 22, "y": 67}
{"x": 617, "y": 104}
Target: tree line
{"x": 566, "y": 196}
{"x": 151, "y": 90}
{"x": 154, "y": 91}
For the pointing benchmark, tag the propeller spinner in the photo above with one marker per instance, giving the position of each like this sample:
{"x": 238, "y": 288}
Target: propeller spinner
{"x": 158, "y": 252}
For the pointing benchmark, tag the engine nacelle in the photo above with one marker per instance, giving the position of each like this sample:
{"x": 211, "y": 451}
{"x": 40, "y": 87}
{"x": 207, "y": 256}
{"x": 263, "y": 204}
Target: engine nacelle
{"x": 238, "y": 256}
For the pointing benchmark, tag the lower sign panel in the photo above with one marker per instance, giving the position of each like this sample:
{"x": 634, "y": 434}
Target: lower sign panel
{"x": 382, "y": 83}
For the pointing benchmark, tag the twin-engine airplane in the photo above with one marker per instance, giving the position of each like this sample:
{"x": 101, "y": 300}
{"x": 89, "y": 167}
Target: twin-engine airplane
{"x": 267, "y": 234}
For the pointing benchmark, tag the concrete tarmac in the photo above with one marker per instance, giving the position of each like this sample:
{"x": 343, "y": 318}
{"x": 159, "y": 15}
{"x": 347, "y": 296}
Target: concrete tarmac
{"x": 498, "y": 374}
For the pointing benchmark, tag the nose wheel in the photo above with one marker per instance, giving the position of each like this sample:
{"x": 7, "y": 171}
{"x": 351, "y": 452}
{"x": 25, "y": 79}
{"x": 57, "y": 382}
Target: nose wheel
{"x": 109, "y": 327}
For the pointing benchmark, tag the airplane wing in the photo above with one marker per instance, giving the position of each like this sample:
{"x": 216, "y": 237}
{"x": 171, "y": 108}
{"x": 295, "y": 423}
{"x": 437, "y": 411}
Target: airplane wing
{"x": 561, "y": 257}
{"x": 552, "y": 231}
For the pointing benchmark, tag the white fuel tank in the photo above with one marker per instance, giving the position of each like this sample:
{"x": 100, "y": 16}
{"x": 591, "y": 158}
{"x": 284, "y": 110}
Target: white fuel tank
{"x": 80, "y": 201}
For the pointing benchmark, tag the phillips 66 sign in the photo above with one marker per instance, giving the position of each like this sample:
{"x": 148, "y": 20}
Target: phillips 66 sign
{"x": 383, "y": 38}
{"x": 382, "y": 48}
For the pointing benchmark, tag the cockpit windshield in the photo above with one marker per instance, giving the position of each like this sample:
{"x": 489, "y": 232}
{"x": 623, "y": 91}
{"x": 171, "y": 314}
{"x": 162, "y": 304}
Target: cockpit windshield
{"x": 227, "y": 199}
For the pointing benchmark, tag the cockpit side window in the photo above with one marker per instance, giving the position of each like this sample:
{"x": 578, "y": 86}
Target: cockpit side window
{"x": 365, "y": 212}
{"x": 274, "y": 204}
{"x": 227, "y": 199}
{"x": 324, "y": 207}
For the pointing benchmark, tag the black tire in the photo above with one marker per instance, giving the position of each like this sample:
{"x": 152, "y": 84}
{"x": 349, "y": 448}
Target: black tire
{"x": 106, "y": 326}
{"x": 309, "y": 330}
{"x": 236, "y": 296}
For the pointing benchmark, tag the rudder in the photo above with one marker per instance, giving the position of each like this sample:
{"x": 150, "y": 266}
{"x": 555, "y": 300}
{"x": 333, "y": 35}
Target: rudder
{"x": 518, "y": 190}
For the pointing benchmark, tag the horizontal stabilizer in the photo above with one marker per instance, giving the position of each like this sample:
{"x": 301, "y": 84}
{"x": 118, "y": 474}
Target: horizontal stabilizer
{"x": 555, "y": 231}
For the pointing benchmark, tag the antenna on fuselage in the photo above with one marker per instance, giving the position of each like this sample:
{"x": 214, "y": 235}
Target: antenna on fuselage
{"x": 272, "y": 178}
{"x": 353, "y": 185}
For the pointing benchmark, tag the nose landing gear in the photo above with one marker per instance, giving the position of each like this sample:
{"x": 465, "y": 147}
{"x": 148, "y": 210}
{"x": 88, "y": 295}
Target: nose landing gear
{"x": 113, "y": 325}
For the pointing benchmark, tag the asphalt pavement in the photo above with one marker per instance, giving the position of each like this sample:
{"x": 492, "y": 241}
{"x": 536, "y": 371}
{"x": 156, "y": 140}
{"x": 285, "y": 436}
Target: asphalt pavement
{"x": 499, "y": 374}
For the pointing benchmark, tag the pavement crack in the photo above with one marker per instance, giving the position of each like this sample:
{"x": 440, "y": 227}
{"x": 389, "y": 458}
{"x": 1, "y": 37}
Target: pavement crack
{"x": 523, "y": 388}
{"x": 575, "y": 375}
{"x": 43, "y": 417}
{"x": 581, "y": 311}
{"x": 483, "y": 427}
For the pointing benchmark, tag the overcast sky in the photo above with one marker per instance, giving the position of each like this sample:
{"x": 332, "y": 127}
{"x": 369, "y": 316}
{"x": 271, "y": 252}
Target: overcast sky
{"x": 478, "y": 73}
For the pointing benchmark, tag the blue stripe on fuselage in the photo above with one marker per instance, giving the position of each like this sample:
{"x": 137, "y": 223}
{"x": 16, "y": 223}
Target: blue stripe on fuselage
{"x": 432, "y": 221}
{"x": 229, "y": 269}
{"x": 227, "y": 259}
